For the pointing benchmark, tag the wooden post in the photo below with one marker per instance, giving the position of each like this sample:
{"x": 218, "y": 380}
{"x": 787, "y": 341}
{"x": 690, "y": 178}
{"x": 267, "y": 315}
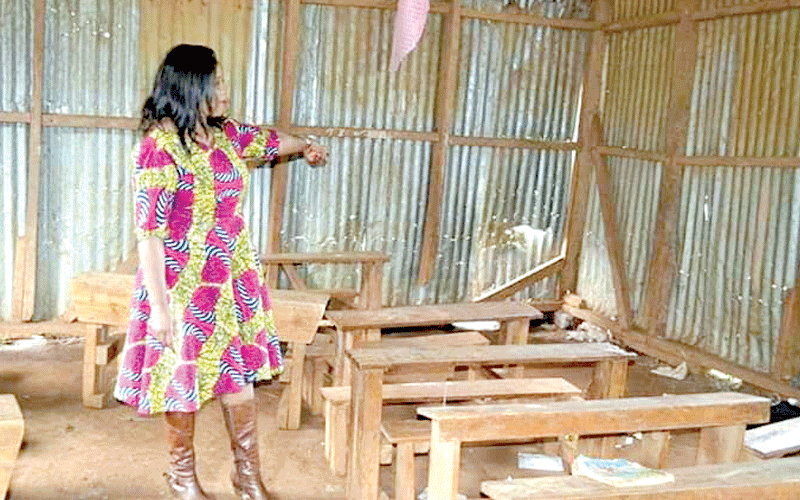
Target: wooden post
{"x": 786, "y": 360}
{"x": 605, "y": 188}
{"x": 663, "y": 267}
{"x": 26, "y": 248}
{"x": 579, "y": 184}
{"x": 444, "y": 464}
{"x": 448, "y": 66}
{"x": 720, "y": 445}
{"x": 280, "y": 172}
{"x": 363, "y": 463}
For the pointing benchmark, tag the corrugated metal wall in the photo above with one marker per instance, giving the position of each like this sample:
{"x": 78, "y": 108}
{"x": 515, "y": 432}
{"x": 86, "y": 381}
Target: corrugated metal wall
{"x": 16, "y": 38}
{"x": 738, "y": 245}
{"x": 634, "y": 111}
{"x": 739, "y": 225}
{"x": 84, "y": 217}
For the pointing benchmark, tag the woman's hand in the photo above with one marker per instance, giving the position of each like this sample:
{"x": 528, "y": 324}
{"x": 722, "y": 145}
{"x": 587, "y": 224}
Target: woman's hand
{"x": 315, "y": 154}
{"x": 161, "y": 325}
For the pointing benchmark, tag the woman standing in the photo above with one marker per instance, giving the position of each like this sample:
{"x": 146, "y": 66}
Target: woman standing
{"x": 201, "y": 324}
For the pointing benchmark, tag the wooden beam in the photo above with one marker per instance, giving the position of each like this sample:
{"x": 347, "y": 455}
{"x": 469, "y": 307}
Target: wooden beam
{"x": 280, "y": 172}
{"x": 364, "y": 133}
{"x": 739, "y": 161}
{"x": 82, "y": 121}
{"x": 662, "y": 19}
{"x": 498, "y": 142}
{"x": 636, "y": 154}
{"x": 13, "y": 117}
{"x": 605, "y": 187}
{"x": 448, "y": 74}
{"x": 26, "y": 249}
{"x": 523, "y": 18}
{"x": 663, "y": 266}
{"x": 54, "y": 328}
{"x": 579, "y": 184}
{"x": 544, "y": 270}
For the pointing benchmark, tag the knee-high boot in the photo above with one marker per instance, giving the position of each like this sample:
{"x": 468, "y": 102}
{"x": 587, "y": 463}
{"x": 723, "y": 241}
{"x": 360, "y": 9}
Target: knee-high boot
{"x": 181, "y": 477}
{"x": 240, "y": 419}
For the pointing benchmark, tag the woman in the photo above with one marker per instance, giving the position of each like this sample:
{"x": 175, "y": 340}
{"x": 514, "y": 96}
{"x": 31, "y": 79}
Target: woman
{"x": 201, "y": 324}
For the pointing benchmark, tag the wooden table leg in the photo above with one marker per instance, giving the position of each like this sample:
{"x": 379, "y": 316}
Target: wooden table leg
{"x": 444, "y": 464}
{"x": 370, "y": 294}
{"x": 365, "y": 434}
{"x": 609, "y": 380}
{"x": 720, "y": 445}
{"x": 343, "y": 340}
{"x": 517, "y": 333}
{"x": 291, "y": 402}
{"x": 94, "y": 375}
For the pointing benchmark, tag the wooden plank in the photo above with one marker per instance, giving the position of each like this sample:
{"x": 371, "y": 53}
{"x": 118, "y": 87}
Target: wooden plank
{"x": 638, "y": 23}
{"x": 786, "y": 360}
{"x": 297, "y": 314}
{"x": 24, "y": 289}
{"x": 405, "y": 473}
{"x": 14, "y": 117}
{"x": 616, "y": 253}
{"x": 324, "y": 258}
{"x": 499, "y": 142}
{"x": 637, "y": 154}
{"x": 774, "y": 440}
{"x": 438, "y": 339}
{"x": 663, "y": 266}
{"x": 491, "y": 354}
{"x": 294, "y": 279}
{"x": 89, "y": 121}
{"x": 538, "y": 273}
{"x": 92, "y": 375}
{"x": 443, "y": 466}
{"x": 522, "y": 18}
{"x": 768, "y": 6}
{"x": 106, "y": 353}
{"x": 579, "y": 182}
{"x": 12, "y": 430}
{"x": 462, "y": 389}
{"x": 597, "y": 416}
{"x": 440, "y": 314}
{"x": 739, "y": 161}
{"x": 609, "y": 380}
{"x": 447, "y": 86}
{"x": 55, "y": 328}
{"x": 772, "y": 479}
{"x": 365, "y": 427}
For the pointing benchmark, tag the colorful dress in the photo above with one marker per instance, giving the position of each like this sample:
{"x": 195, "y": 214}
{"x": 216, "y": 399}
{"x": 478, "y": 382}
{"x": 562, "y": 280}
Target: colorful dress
{"x": 224, "y": 328}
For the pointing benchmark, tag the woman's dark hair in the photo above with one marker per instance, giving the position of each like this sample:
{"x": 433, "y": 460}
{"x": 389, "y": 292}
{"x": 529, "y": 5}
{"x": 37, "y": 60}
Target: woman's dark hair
{"x": 183, "y": 86}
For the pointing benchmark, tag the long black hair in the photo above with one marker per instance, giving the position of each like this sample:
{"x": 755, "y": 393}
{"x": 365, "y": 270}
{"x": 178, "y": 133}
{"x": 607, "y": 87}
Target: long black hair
{"x": 184, "y": 85}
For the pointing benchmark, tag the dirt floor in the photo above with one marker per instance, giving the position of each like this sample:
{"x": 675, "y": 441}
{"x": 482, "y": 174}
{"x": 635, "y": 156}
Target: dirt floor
{"x": 71, "y": 452}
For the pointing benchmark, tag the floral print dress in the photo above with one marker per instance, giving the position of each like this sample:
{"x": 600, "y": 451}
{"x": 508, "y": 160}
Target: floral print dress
{"x": 224, "y": 329}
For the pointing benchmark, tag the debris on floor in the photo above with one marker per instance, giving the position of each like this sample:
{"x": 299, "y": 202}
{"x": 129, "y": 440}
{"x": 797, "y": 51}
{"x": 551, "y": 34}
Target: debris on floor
{"x": 537, "y": 461}
{"x": 678, "y": 373}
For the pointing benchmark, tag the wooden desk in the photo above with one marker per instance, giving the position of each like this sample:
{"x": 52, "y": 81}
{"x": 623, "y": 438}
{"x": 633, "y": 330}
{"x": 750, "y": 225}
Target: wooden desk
{"x": 368, "y": 296}
{"x": 354, "y": 327}
{"x": 369, "y": 364}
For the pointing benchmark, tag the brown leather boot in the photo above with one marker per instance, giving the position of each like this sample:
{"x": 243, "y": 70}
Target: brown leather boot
{"x": 240, "y": 419}
{"x": 181, "y": 477}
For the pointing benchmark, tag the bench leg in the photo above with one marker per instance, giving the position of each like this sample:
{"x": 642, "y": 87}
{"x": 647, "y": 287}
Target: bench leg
{"x": 655, "y": 449}
{"x": 405, "y": 472}
{"x": 319, "y": 367}
{"x": 443, "y": 466}
{"x": 94, "y": 376}
{"x": 291, "y": 402}
{"x": 609, "y": 380}
{"x": 720, "y": 445}
{"x": 363, "y": 466}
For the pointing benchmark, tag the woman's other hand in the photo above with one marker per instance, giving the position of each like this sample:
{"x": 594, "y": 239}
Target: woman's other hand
{"x": 161, "y": 325}
{"x": 315, "y": 154}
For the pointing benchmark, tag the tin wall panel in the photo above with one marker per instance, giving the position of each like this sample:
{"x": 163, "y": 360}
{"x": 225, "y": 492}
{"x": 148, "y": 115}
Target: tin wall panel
{"x": 85, "y": 214}
{"x": 13, "y": 189}
{"x": 344, "y": 78}
{"x": 16, "y": 40}
{"x": 636, "y": 184}
{"x": 90, "y": 59}
{"x": 502, "y": 214}
{"x": 631, "y": 9}
{"x": 519, "y": 81}
{"x": 636, "y": 88}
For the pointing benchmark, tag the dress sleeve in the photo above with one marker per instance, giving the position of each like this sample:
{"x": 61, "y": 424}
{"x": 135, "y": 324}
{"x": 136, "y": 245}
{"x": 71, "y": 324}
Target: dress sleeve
{"x": 252, "y": 141}
{"x": 155, "y": 181}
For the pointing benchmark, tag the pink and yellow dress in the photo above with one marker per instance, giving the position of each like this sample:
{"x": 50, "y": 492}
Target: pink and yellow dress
{"x": 224, "y": 329}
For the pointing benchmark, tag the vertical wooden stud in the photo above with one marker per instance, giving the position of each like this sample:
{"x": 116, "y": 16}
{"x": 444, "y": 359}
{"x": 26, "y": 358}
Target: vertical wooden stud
{"x": 443, "y": 466}
{"x": 720, "y": 445}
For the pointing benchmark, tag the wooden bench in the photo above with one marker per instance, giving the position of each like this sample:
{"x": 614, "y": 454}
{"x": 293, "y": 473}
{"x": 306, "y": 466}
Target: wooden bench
{"x": 412, "y": 437}
{"x": 357, "y": 327}
{"x": 610, "y": 369}
{"x": 102, "y": 302}
{"x": 367, "y": 296}
{"x": 337, "y": 403}
{"x": 721, "y": 418}
{"x": 777, "y": 479}
{"x": 12, "y": 428}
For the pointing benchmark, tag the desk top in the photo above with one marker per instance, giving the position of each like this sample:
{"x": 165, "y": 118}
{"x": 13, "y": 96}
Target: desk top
{"x": 440, "y": 314}
{"x": 324, "y": 258}
{"x": 390, "y": 357}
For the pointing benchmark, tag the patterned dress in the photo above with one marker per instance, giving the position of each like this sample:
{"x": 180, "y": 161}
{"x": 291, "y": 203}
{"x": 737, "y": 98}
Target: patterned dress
{"x": 224, "y": 329}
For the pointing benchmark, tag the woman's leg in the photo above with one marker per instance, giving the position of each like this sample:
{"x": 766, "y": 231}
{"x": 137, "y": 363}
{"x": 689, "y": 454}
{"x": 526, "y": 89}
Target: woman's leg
{"x": 181, "y": 477}
{"x": 239, "y": 410}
